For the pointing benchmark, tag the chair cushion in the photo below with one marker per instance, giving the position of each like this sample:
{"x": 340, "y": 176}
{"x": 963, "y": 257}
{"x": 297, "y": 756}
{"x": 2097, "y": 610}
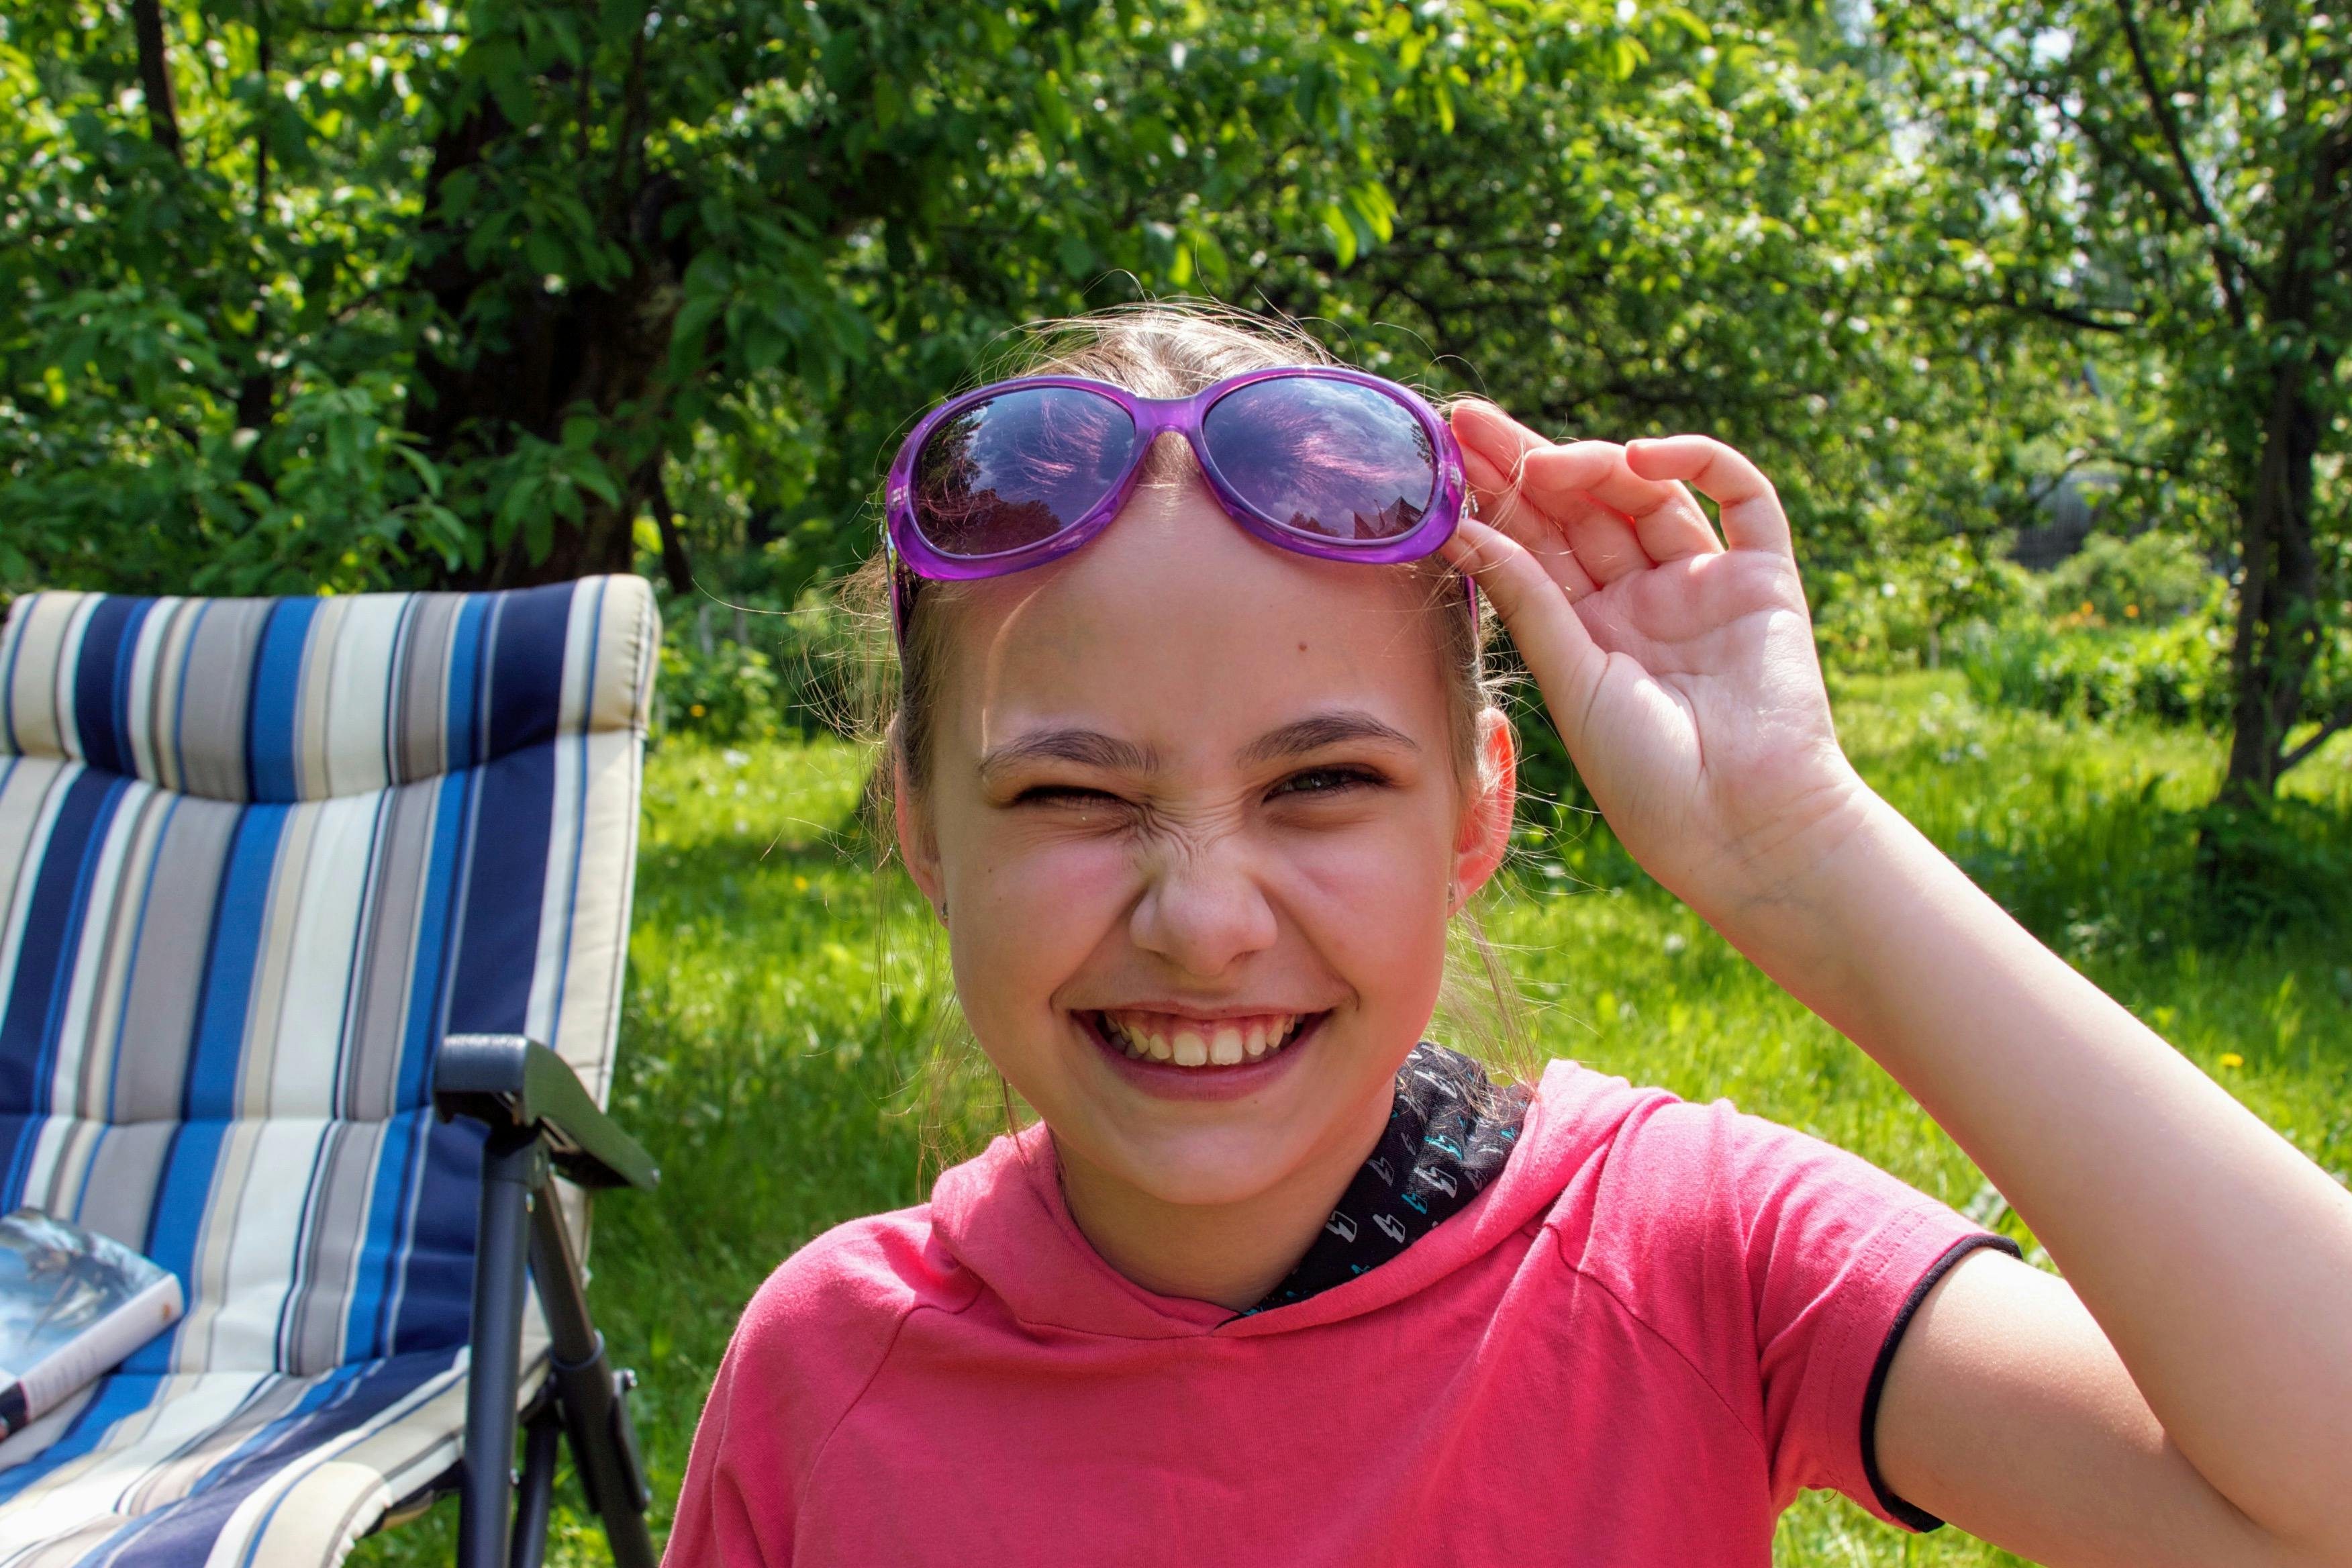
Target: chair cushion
{"x": 257, "y": 858}
{"x": 232, "y": 1468}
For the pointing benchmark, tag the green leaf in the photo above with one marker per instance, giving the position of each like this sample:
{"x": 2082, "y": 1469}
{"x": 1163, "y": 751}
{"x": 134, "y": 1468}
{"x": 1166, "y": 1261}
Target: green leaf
{"x": 1342, "y": 232}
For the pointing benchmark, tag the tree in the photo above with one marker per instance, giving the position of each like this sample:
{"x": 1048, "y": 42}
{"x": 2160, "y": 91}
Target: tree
{"x": 347, "y": 292}
{"x": 2166, "y": 187}
{"x": 1694, "y": 222}
{"x": 338, "y": 292}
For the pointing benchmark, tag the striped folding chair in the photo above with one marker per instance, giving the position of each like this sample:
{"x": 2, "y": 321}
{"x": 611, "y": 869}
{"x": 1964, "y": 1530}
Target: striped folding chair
{"x": 313, "y": 915}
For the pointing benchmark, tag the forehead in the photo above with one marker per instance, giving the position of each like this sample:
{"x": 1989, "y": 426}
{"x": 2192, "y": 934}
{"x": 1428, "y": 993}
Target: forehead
{"x": 1177, "y": 630}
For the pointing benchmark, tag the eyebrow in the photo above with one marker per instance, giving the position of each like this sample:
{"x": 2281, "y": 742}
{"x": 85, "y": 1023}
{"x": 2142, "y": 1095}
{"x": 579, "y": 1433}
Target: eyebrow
{"x": 1093, "y": 749}
{"x": 1337, "y": 727}
{"x": 1087, "y": 748}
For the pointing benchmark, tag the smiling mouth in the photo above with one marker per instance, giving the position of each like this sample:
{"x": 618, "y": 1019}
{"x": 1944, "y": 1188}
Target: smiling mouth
{"x": 1172, "y": 1040}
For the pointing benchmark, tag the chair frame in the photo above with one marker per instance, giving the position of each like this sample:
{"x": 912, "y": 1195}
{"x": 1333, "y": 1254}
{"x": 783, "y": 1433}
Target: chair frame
{"x": 540, "y": 1122}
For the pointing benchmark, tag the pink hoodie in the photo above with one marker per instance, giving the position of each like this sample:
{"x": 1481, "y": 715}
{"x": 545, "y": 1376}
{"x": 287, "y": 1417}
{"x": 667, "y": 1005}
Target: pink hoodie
{"x": 1634, "y": 1347}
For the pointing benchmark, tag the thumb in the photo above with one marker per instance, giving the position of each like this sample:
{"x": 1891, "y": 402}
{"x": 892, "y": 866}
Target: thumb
{"x": 1551, "y": 635}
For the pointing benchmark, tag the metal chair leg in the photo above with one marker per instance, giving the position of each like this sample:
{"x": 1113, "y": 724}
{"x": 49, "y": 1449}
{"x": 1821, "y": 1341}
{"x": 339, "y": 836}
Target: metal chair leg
{"x": 535, "y": 1500}
{"x": 514, "y": 1165}
{"x": 595, "y": 1414}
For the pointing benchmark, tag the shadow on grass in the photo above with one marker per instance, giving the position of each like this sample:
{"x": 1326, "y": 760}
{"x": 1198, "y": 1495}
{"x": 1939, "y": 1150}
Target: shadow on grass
{"x": 2093, "y": 862}
{"x": 2123, "y": 875}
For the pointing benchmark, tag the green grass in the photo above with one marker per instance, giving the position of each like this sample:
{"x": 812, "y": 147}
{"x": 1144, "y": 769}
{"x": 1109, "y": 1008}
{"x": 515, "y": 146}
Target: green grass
{"x": 778, "y": 995}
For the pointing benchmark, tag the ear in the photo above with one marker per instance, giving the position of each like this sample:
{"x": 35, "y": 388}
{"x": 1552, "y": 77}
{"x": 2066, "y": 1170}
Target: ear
{"x": 919, "y": 847}
{"x": 1484, "y": 837}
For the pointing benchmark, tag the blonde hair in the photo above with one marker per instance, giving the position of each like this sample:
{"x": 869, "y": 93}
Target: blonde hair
{"x": 1154, "y": 350}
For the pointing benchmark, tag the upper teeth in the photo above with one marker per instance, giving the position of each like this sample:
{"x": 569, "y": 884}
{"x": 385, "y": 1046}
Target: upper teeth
{"x": 1189, "y": 1043}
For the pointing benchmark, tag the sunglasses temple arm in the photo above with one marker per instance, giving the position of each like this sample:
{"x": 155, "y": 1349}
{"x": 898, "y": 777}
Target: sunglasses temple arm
{"x": 898, "y": 590}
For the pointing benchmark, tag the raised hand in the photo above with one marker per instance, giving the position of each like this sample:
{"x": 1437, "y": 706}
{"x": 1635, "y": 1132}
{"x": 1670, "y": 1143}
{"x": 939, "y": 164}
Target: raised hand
{"x": 1681, "y": 674}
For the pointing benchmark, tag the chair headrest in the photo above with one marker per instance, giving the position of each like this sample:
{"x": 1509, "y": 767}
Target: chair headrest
{"x": 289, "y": 699}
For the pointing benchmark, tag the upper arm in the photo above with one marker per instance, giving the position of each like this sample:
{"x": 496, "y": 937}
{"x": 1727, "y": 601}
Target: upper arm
{"x": 2006, "y": 1410}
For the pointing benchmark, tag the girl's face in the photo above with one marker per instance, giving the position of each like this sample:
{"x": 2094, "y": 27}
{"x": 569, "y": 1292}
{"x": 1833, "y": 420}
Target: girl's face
{"x": 1194, "y": 815}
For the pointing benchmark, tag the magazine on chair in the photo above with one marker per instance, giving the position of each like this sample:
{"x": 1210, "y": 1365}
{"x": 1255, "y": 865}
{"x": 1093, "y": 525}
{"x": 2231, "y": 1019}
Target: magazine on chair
{"x": 73, "y": 1304}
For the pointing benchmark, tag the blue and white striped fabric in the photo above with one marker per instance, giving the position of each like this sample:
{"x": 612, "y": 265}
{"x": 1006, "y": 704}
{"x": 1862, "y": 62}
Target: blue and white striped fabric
{"x": 256, "y": 856}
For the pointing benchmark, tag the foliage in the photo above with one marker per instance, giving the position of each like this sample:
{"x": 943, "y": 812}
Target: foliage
{"x": 759, "y": 675}
{"x": 1699, "y": 226}
{"x": 1897, "y": 610}
{"x": 2126, "y": 629}
{"x": 2153, "y": 577}
{"x": 337, "y": 292}
{"x": 342, "y": 293}
{"x": 2170, "y": 674}
{"x": 729, "y": 691}
{"x": 778, "y": 993}
{"x": 2163, "y": 187}
{"x": 395, "y": 292}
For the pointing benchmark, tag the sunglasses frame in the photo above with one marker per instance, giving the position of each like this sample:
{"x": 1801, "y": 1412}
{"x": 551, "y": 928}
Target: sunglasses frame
{"x": 1153, "y": 418}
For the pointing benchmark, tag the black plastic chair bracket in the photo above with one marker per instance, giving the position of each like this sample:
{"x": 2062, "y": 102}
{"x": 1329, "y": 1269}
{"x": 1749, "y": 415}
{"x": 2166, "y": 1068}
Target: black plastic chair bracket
{"x": 512, "y": 1080}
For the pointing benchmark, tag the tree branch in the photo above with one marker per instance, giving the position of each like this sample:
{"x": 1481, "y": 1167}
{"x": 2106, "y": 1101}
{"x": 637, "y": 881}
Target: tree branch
{"x": 257, "y": 393}
{"x": 155, "y": 76}
{"x": 2198, "y": 211}
{"x": 333, "y": 31}
{"x": 2227, "y": 263}
{"x": 675, "y": 566}
{"x": 2329, "y": 727}
{"x": 2064, "y": 315}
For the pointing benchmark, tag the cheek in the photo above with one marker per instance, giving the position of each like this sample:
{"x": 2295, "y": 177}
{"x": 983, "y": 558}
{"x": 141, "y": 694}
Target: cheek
{"x": 1024, "y": 916}
{"x": 1373, "y": 902}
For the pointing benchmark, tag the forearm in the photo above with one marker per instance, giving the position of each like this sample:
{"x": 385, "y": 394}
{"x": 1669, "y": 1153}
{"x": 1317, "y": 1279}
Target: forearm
{"x": 2217, "y": 1258}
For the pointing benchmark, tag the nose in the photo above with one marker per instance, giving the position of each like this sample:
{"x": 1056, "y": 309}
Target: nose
{"x": 1203, "y": 911}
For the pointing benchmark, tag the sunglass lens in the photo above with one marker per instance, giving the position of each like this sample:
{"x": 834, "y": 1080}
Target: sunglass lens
{"x": 1327, "y": 459}
{"x": 1018, "y": 469}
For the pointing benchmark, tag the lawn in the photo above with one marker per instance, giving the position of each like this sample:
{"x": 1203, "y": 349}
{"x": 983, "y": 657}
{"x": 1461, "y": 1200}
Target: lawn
{"x": 781, "y": 995}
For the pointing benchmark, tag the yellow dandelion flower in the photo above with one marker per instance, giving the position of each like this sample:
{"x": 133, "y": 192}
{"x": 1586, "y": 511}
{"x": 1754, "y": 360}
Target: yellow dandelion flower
{"x": 2233, "y": 1060}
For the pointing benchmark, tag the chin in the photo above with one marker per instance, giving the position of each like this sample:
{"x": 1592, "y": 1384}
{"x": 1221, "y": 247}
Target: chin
{"x": 1210, "y": 1167}
{"x": 1218, "y": 1186}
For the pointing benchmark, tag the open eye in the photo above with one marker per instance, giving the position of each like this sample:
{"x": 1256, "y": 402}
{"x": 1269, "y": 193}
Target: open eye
{"x": 1313, "y": 783}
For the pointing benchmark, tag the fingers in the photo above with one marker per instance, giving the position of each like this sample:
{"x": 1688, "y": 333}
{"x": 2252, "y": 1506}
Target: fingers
{"x": 1501, "y": 505}
{"x": 1613, "y": 521}
{"x": 1752, "y": 518}
{"x": 1495, "y": 447}
{"x": 1543, "y": 623}
{"x": 1660, "y": 517}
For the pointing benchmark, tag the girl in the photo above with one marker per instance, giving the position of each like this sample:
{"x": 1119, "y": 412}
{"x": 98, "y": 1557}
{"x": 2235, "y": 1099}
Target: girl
{"x": 1194, "y": 760}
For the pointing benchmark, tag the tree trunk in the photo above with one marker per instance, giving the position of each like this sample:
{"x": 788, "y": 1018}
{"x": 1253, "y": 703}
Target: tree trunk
{"x": 2277, "y": 630}
{"x": 549, "y": 354}
{"x": 155, "y": 75}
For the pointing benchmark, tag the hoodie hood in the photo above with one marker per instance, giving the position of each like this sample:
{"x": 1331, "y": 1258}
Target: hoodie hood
{"x": 1003, "y": 1217}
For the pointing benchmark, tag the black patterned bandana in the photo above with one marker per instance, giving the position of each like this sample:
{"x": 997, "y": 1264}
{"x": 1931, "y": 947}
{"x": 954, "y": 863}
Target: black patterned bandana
{"x": 1448, "y": 1135}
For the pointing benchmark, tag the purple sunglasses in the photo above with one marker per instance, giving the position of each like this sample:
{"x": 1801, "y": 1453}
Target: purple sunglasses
{"x": 1332, "y": 463}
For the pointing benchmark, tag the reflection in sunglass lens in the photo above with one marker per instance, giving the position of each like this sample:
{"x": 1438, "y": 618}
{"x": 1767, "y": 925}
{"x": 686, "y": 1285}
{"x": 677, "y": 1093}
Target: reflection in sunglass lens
{"x": 1324, "y": 457}
{"x": 1018, "y": 469}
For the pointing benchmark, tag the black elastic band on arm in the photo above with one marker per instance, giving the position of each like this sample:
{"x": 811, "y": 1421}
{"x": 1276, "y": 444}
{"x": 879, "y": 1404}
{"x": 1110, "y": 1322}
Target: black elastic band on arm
{"x": 1918, "y": 1519}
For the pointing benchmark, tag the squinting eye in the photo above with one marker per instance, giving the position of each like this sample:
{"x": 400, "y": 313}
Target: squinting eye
{"x": 1065, "y": 794}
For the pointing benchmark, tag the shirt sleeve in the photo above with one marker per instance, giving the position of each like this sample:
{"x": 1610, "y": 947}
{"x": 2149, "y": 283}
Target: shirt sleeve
{"x": 1783, "y": 1268}
{"x": 719, "y": 1520}
{"x": 1894, "y": 1506}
